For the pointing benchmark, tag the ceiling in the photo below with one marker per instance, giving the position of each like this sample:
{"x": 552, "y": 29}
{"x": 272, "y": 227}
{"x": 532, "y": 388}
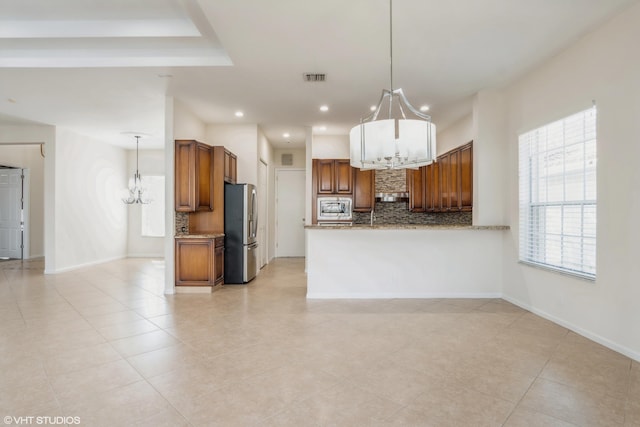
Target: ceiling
{"x": 104, "y": 69}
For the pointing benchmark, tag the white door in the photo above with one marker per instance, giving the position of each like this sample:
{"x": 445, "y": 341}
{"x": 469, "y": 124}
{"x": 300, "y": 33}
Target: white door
{"x": 11, "y": 213}
{"x": 290, "y": 191}
{"x": 263, "y": 220}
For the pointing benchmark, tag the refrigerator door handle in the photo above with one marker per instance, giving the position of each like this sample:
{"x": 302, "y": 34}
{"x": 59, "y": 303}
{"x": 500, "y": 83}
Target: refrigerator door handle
{"x": 254, "y": 214}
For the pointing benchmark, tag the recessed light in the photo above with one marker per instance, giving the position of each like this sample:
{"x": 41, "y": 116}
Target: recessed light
{"x": 424, "y": 108}
{"x": 11, "y": 100}
{"x": 165, "y": 76}
{"x": 324, "y": 108}
{"x": 320, "y": 128}
{"x": 239, "y": 114}
{"x": 373, "y": 107}
{"x": 286, "y": 135}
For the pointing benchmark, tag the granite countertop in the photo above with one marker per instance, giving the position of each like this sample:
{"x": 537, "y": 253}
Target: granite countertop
{"x": 199, "y": 236}
{"x": 407, "y": 227}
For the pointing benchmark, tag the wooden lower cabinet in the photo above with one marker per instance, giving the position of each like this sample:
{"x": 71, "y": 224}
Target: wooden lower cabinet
{"x": 218, "y": 261}
{"x": 199, "y": 261}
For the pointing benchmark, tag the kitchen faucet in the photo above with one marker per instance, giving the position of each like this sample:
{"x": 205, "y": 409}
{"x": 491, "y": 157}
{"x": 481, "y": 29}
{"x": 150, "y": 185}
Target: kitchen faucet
{"x": 373, "y": 216}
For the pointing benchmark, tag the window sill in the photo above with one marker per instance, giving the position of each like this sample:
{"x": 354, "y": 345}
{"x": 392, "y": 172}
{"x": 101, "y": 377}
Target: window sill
{"x": 575, "y": 275}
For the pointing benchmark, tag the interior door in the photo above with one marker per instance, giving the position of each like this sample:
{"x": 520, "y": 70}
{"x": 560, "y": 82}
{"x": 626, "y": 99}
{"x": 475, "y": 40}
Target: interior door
{"x": 290, "y": 192}
{"x": 11, "y": 213}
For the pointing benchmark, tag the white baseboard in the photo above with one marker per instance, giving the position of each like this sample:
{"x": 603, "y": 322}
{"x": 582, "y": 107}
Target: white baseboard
{"x": 86, "y": 264}
{"x": 578, "y": 330}
{"x": 397, "y": 295}
{"x": 146, "y": 255}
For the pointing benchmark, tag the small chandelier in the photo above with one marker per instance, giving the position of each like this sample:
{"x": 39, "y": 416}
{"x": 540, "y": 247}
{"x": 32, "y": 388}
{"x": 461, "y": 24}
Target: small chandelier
{"x": 401, "y": 137}
{"x": 136, "y": 190}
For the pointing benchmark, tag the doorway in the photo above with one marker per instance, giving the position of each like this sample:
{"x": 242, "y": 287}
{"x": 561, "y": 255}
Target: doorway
{"x": 290, "y": 211}
{"x": 14, "y": 185}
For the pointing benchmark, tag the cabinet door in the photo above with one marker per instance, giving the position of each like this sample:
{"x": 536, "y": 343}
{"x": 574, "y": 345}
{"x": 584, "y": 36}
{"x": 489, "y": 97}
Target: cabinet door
{"x": 233, "y": 169}
{"x": 185, "y": 177}
{"x": 363, "y": 190}
{"x": 466, "y": 177}
{"x": 343, "y": 177}
{"x": 443, "y": 167}
{"x": 454, "y": 181}
{"x": 230, "y": 167}
{"x": 325, "y": 172}
{"x": 218, "y": 261}
{"x": 435, "y": 188}
{"x": 204, "y": 178}
{"x": 194, "y": 262}
{"x": 415, "y": 185}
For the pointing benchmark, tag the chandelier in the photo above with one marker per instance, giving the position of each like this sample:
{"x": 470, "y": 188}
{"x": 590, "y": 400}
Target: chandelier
{"x": 395, "y": 135}
{"x": 136, "y": 190}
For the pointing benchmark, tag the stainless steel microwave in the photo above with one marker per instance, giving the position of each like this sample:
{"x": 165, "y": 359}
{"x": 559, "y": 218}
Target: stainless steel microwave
{"x": 334, "y": 209}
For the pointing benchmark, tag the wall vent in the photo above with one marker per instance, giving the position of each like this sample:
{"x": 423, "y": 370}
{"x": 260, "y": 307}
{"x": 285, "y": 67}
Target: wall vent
{"x": 314, "y": 77}
{"x": 286, "y": 159}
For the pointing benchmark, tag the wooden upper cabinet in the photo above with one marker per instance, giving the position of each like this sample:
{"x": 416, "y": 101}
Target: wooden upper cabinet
{"x": 466, "y": 177}
{"x": 204, "y": 177}
{"x": 193, "y": 176}
{"x": 343, "y": 177}
{"x": 333, "y": 176}
{"x": 185, "y": 175}
{"x": 443, "y": 168}
{"x": 432, "y": 187}
{"x": 449, "y": 181}
{"x": 230, "y": 167}
{"x": 364, "y": 182}
{"x": 454, "y": 181}
{"x": 416, "y": 187}
{"x": 325, "y": 171}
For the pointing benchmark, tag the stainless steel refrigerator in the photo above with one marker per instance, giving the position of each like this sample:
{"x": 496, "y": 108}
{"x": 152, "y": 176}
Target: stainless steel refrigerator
{"x": 240, "y": 233}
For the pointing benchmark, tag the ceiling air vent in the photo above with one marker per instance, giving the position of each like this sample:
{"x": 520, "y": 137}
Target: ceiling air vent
{"x": 314, "y": 77}
{"x": 286, "y": 159}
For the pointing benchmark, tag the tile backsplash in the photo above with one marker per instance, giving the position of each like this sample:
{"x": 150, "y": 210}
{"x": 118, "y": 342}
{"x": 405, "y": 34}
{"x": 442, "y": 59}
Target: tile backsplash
{"x": 395, "y": 181}
{"x": 398, "y": 213}
{"x": 391, "y": 181}
{"x": 182, "y": 223}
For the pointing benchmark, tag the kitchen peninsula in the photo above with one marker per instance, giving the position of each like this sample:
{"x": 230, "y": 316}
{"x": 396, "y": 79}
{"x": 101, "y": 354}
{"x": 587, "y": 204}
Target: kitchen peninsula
{"x": 404, "y": 261}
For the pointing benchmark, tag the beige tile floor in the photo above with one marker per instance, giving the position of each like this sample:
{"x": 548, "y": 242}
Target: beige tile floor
{"x": 104, "y": 344}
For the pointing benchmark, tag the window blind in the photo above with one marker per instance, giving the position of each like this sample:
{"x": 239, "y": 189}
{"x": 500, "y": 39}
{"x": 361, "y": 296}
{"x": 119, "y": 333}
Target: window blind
{"x": 557, "y": 195}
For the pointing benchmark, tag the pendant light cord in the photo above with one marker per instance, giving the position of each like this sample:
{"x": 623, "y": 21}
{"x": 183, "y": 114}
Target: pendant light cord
{"x": 137, "y": 144}
{"x": 391, "y": 42}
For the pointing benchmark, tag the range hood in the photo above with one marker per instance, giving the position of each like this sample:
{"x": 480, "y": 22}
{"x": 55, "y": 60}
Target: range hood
{"x": 392, "y": 197}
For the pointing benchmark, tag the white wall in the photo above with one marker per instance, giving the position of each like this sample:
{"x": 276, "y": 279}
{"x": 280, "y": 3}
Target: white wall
{"x": 90, "y": 218}
{"x": 29, "y": 157}
{"x": 266, "y": 154}
{"x": 330, "y": 147}
{"x": 603, "y": 66}
{"x": 241, "y": 140}
{"x": 412, "y": 263}
{"x": 489, "y": 158}
{"x": 151, "y": 162}
{"x": 186, "y": 125}
{"x": 299, "y": 157}
{"x": 455, "y": 135}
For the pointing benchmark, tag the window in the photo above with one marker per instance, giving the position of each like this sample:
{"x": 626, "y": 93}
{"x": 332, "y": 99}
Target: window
{"x": 153, "y": 213}
{"x": 558, "y": 195}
